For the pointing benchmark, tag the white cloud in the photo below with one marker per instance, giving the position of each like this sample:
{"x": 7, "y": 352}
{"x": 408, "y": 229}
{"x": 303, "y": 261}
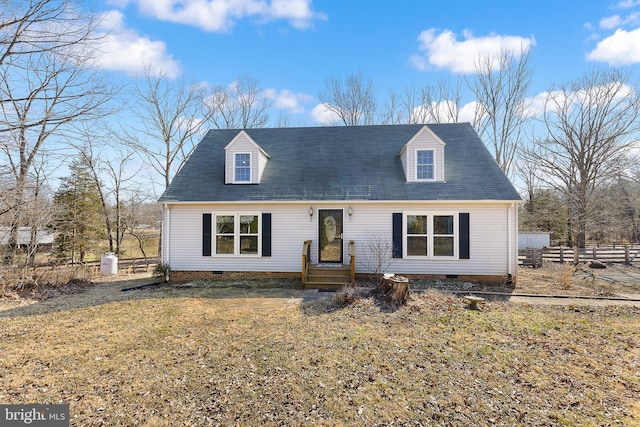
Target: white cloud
{"x": 554, "y": 101}
{"x": 620, "y": 48}
{"x": 610, "y": 22}
{"x": 626, "y": 4}
{"x": 467, "y": 112}
{"x": 615, "y": 21}
{"x": 322, "y": 114}
{"x": 221, "y": 15}
{"x": 123, "y": 49}
{"x": 442, "y": 50}
{"x": 287, "y": 100}
{"x": 536, "y": 105}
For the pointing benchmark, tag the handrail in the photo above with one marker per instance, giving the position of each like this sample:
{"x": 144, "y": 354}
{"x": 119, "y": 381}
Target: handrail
{"x": 352, "y": 254}
{"x": 306, "y": 259}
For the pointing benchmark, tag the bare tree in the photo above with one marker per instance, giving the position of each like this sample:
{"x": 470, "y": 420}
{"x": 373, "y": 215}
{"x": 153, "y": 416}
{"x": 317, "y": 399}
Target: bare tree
{"x": 500, "y": 84}
{"x": 439, "y": 103}
{"x": 353, "y": 99}
{"x": 140, "y": 216}
{"x": 590, "y": 127}
{"x": 435, "y": 103}
{"x": 111, "y": 179}
{"x": 242, "y": 105}
{"x": 40, "y": 27}
{"x": 378, "y": 253}
{"x": 172, "y": 116}
{"x": 46, "y": 84}
{"x": 392, "y": 113}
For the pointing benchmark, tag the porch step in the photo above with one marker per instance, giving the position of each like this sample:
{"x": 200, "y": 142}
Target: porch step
{"x": 322, "y": 277}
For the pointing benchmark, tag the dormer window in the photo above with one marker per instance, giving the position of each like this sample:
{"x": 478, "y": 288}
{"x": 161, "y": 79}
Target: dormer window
{"x": 245, "y": 161}
{"x": 424, "y": 165}
{"x": 242, "y": 165}
{"x": 423, "y": 157}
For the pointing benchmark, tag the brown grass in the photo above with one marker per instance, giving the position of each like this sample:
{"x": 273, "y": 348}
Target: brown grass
{"x": 558, "y": 279}
{"x": 209, "y": 358}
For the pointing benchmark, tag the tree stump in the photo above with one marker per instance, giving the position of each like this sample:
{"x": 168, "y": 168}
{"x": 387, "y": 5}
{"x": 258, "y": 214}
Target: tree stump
{"x": 393, "y": 289}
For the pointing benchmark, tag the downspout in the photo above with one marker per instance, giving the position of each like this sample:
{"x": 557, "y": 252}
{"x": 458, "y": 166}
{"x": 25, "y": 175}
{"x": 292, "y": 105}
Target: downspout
{"x": 166, "y": 230}
{"x": 510, "y": 221}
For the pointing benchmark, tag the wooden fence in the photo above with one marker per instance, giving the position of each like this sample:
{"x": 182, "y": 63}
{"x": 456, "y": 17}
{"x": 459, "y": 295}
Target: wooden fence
{"x": 129, "y": 265}
{"x": 623, "y": 255}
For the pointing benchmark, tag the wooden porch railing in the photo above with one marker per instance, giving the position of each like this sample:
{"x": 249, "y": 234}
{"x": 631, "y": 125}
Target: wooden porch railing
{"x": 306, "y": 259}
{"x": 352, "y": 255}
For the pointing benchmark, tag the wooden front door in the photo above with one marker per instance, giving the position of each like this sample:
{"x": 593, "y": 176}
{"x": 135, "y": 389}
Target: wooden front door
{"x": 330, "y": 235}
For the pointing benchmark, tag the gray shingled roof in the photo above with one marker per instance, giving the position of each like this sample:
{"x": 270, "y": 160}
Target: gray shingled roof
{"x": 342, "y": 163}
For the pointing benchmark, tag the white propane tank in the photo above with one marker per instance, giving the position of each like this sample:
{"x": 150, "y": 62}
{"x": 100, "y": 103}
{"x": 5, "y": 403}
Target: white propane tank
{"x": 109, "y": 264}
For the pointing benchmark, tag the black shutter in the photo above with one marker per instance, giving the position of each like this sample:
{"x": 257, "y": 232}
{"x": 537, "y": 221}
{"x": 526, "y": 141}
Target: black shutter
{"x": 463, "y": 226}
{"x": 206, "y": 234}
{"x": 397, "y": 234}
{"x": 266, "y": 234}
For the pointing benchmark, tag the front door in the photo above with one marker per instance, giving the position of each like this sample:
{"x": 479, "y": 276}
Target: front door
{"x": 330, "y": 235}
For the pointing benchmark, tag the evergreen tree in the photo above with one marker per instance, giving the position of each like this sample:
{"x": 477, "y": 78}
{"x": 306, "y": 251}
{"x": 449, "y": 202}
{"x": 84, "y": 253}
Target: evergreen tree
{"x": 548, "y": 213}
{"x": 78, "y": 218}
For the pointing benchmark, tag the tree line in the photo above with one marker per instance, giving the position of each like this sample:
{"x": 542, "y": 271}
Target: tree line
{"x": 572, "y": 149}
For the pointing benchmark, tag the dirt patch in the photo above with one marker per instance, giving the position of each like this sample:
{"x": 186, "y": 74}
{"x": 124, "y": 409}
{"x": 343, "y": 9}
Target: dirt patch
{"x": 228, "y": 295}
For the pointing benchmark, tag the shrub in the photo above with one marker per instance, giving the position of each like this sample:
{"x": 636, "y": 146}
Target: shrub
{"x": 162, "y": 271}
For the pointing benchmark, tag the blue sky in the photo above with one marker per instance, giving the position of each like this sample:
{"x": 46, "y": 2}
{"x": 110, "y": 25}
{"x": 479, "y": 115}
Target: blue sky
{"x": 293, "y": 46}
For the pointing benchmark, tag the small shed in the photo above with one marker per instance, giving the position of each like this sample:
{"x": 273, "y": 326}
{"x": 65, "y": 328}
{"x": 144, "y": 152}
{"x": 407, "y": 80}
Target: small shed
{"x": 533, "y": 239}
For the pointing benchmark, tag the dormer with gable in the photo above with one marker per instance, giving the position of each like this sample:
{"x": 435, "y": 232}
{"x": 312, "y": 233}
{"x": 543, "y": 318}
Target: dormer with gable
{"x": 245, "y": 161}
{"x": 423, "y": 157}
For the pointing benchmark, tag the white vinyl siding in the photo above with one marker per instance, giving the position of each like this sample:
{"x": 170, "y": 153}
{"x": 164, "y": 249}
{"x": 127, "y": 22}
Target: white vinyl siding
{"x": 292, "y": 225}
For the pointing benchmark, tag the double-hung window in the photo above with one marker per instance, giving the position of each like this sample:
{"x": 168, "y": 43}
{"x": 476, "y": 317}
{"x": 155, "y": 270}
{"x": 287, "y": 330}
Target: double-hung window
{"x": 430, "y": 235}
{"x": 237, "y": 234}
{"x": 242, "y": 168}
{"x": 425, "y": 165}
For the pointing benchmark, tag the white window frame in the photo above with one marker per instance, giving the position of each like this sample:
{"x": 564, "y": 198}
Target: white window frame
{"x": 430, "y": 235}
{"x": 250, "y": 167}
{"x": 236, "y": 234}
{"x": 433, "y": 153}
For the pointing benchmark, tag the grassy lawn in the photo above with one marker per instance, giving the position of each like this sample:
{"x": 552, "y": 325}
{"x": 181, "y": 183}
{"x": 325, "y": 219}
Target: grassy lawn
{"x": 199, "y": 360}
